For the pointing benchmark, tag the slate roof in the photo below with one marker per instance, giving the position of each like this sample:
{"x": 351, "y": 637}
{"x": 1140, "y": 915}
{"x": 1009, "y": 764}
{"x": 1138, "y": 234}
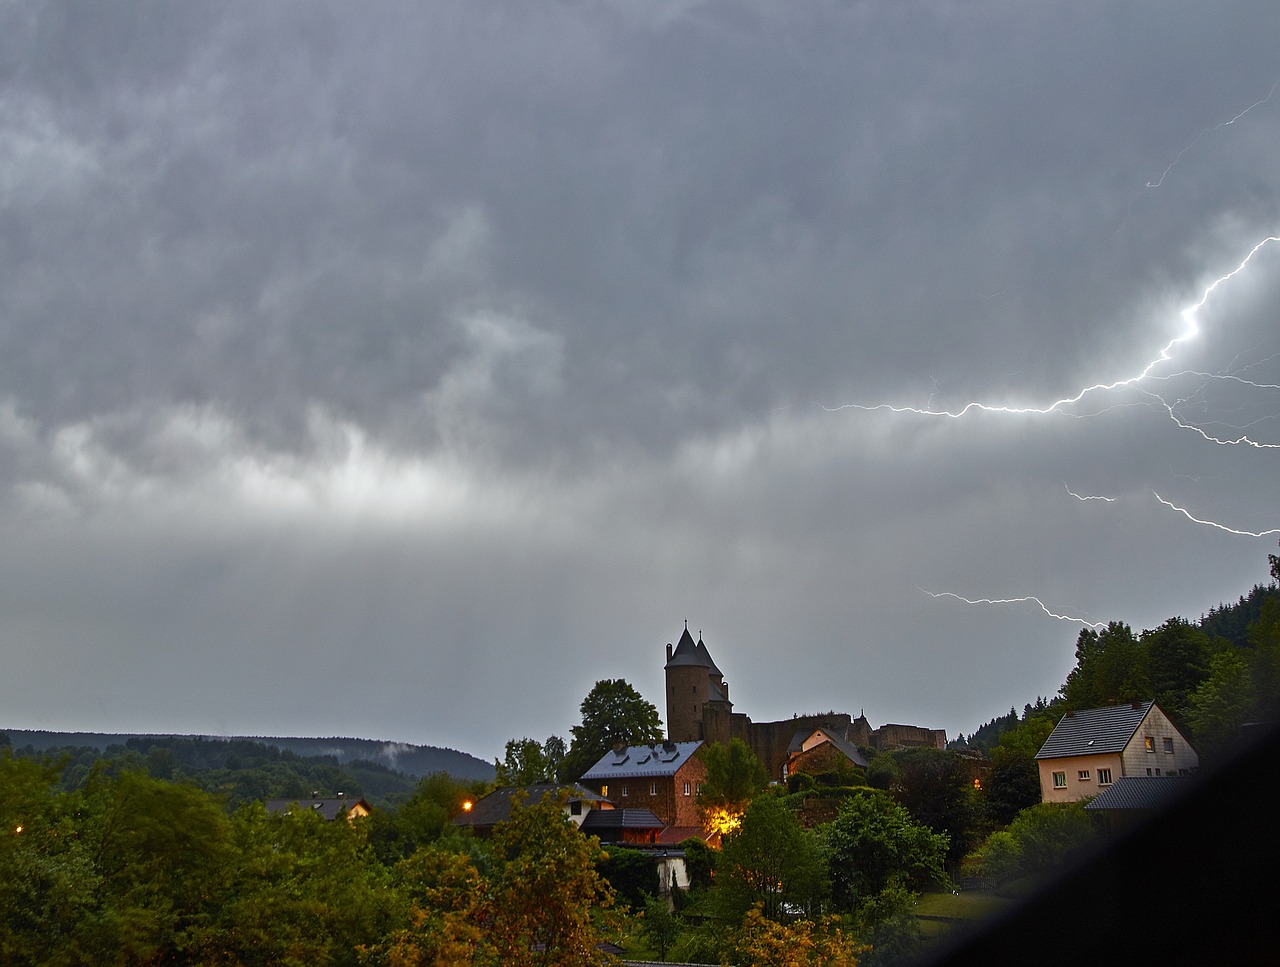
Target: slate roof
{"x": 687, "y": 653}
{"x": 848, "y": 748}
{"x": 642, "y": 761}
{"x": 1138, "y": 792}
{"x": 496, "y": 807}
{"x": 706, "y": 657}
{"x": 1094, "y": 730}
{"x": 613, "y": 819}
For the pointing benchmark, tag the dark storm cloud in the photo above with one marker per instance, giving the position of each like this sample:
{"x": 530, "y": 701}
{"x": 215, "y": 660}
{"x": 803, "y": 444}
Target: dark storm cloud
{"x": 502, "y": 338}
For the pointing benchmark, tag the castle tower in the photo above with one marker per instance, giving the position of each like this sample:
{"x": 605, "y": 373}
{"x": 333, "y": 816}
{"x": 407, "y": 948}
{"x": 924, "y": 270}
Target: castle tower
{"x": 698, "y": 705}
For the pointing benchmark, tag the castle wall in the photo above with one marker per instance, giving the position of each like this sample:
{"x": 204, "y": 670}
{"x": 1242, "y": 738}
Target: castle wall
{"x": 908, "y": 737}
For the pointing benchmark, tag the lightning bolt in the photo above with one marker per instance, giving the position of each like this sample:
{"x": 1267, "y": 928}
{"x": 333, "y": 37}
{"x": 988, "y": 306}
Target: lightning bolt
{"x": 1217, "y": 127}
{"x": 1084, "y": 497}
{"x": 1190, "y": 330}
{"x": 1209, "y": 523}
{"x": 1022, "y": 600}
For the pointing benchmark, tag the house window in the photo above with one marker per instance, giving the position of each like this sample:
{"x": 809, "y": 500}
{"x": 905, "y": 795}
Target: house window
{"x": 575, "y": 808}
{"x": 624, "y": 789}
{"x": 653, "y": 788}
{"x": 1083, "y": 775}
{"x": 686, "y": 787}
{"x": 1059, "y": 780}
{"x": 1168, "y": 746}
{"x": 1148, "y": 772}
{"x": 1149, "y": 744}
{"x": 1104, "y": 777}
{"x": 604, "y": 790}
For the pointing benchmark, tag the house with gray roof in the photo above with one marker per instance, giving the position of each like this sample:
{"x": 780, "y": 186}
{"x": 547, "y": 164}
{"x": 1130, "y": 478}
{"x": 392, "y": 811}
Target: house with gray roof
{"x": 1089, "y": 750}
{"x": 481, "y": 816}
{"x": 820, "y": 751}
{"x": 663, "y": 777}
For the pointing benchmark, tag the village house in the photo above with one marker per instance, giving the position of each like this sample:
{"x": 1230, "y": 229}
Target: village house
{"x": 821, "y": 752}
{"x": 481, "y": 816}
{"x": 1089, "y": 750}
{"x": 662, "y": 778}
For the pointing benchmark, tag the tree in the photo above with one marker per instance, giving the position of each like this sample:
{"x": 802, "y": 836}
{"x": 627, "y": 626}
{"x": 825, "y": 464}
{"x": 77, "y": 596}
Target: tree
{"x": 540, "y": 897}
{"x": 764, "y": 942}
{"x": 1013, "y": 782}
{"x": 937, "y": 789}
{"x": 1177, "y": 662}
{"x": 613, "y": 712}
{"x": 537, "y": 903}
{"x": 422, "y": 819}
{"x": 1221, "y": 704}
{"x": 1111, "y": 669}
{"x": 873, "y": 842}
{"x": 1049, "y": 833}
{"x": 659, "y": 926}
{"x": 770, "y": 861}
{"x": 734, "y": 776}
{"x": 528, "y": 762}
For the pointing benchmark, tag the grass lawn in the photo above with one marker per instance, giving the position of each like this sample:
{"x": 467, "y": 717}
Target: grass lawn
{"x": 962, "y": 910}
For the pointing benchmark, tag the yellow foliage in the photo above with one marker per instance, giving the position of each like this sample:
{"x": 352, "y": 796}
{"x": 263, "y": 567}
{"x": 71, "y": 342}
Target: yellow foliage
{"x": 765, "y": 943}
{"x": 722, "y": 821}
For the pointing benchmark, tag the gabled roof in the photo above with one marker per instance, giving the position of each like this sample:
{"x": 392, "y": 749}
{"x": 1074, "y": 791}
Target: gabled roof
{"x": 849, "y": 750}
{"x": 496, "y": 807}
{"x": 642, "y": 761}
{"x": 1094, "y": 730}
{"x": 611, "y": 819}
{"x": 1138, "y": 792}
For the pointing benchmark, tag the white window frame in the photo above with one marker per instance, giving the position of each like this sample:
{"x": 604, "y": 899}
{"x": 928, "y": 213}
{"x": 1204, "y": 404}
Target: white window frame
{"x": 1059, "y": 780}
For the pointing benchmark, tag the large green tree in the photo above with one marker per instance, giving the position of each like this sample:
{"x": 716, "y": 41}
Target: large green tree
{"x": 771, "y": 861}
{"x": 1111, "y": 669}
{"x": 612, "y": 713}
{"x": 527, "y": 762}
{"x": 1177, "y": 655}
{"x": 936, "y": 787}
{"x": 873, "y": 843}
{"x": 734, "y": 776}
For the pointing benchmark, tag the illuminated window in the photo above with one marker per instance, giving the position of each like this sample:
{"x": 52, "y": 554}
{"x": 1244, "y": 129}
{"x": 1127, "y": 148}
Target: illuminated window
{"x": 1149, "y": 744}
{"x": 1059, "y": 780}
{"x": 604, "y": 790}
{"x": 1104, "y": 777}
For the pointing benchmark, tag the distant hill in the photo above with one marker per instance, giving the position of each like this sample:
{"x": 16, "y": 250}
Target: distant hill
{"x": 412, "y": 760}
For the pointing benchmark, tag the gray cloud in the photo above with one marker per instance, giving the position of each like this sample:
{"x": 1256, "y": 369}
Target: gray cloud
{"x": 348, "y": 357}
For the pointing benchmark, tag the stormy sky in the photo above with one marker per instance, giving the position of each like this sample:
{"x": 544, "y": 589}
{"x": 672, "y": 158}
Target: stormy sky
{"x": 399, "y": 370}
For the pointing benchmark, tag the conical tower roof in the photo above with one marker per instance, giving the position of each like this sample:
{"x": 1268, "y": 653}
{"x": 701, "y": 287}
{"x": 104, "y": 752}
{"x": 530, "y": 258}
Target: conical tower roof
{"x": 687, "y": 653}
{"x": 706, "y": 657}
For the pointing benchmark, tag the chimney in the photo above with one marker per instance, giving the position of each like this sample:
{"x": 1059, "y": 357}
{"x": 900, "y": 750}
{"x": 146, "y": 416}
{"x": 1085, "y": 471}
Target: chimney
{"x": 668, "y": 651}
